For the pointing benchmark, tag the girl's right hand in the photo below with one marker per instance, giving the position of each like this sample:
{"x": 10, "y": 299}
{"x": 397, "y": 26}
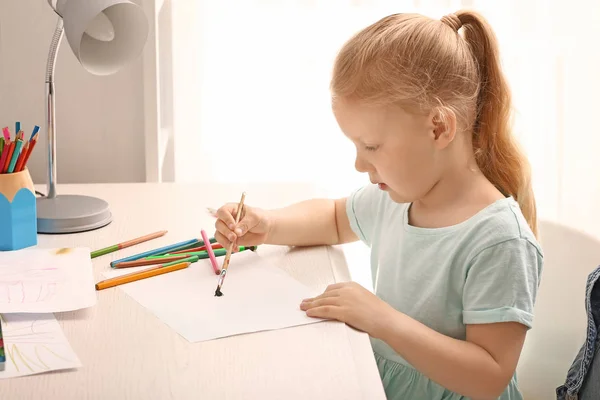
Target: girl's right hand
{"x": 251, "y": 230}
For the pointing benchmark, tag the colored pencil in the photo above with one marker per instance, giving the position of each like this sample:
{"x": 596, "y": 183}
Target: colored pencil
{"x": 3, "y": 156}
{"x": 152, "y": 261}
{"x": 129, "y": 243}
{"x": 161, "y": 260}
{"x": 17, "y": 127}
{"x": 6, "y": 133}
{"x": 202, "y": 254}
{"x": 2, "y": 140}
{"x": 215, "y": 246}
{"x": 238, "y": 214}
{"x": 21, "y": 160}
{"x": 192, "y": 245}
{"x": 162, "y": 250}
{"x": 9, "y": 152}
{"x": 15, "y": 156}
{"x": 36, "y": 129}
{"x": 211, "y": 255}
{"x": 136, "y": 276}
{"x": 32, "y": 142}
{"x": 2, "y": 354}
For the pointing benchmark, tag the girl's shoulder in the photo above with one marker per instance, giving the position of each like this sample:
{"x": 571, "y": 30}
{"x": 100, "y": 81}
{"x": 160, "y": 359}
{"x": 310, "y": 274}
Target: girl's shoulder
{"x": 501, "y": 225}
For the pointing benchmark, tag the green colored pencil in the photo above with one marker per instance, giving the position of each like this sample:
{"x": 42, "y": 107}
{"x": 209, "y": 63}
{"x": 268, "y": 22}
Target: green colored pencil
{"x": 201, "y": 254}
{"x": 188, "y": 246}
{"x": 191, "y": 259}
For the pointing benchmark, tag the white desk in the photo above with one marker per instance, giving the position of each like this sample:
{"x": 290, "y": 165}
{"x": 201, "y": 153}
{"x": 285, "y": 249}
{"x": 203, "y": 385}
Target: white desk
{"x": 127, "y": 353}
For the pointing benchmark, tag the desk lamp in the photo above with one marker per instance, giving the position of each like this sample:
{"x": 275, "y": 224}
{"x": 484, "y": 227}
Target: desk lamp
{"x": 104, "y": 35}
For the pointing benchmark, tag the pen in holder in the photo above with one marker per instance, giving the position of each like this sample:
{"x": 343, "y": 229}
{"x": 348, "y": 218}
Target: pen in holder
{"x": 18, "y": 219}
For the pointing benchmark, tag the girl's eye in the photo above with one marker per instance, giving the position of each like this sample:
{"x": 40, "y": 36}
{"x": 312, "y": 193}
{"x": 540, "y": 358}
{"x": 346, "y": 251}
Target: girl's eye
{"x": 371, "y": 148}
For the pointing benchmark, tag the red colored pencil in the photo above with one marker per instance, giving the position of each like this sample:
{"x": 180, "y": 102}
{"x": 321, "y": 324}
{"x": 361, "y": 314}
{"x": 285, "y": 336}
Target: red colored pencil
{"x": 11, "y": 150}
{"x": 33, "y": 141}
{"x": 4, "y": 156}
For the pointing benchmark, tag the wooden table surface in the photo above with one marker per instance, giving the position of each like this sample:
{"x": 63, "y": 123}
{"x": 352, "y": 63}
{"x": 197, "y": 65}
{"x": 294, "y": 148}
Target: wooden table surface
{"x": 127, "y": 353}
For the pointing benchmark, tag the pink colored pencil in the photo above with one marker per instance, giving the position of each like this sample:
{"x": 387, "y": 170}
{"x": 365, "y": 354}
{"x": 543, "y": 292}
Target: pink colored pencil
{"x": 211, "y": 255}
{"x": 6, "y": 133}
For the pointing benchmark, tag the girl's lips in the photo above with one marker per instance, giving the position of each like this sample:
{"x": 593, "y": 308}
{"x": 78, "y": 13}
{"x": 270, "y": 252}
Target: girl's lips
{"x": 382, "y": 186}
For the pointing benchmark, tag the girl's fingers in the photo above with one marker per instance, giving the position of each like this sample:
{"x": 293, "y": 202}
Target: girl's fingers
{"x": 249, "y": 221}
{"x": 326, "y": 301}
{"x": 331, "y": 293}
{"x": 225, "y": 214}
{"x": 324, "y": 312}
{"x": 336, "y": 286}
{"x": 224, "y": 230}
{"x": 222, "y": 240}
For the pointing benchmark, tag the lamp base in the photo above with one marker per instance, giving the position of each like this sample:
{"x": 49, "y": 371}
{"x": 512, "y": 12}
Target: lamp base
{"x": 71, "y": 214}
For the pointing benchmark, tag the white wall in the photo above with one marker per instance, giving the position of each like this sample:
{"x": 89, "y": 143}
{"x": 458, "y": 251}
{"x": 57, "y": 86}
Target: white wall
{"x": 100, "y": 120}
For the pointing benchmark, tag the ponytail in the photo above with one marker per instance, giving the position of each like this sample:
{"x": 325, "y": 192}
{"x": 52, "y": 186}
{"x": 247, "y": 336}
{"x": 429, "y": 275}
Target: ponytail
{"x": 497, "y": 154}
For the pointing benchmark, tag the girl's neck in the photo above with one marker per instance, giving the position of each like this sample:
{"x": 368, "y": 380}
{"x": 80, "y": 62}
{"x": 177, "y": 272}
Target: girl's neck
{"x": 461, "y": 193}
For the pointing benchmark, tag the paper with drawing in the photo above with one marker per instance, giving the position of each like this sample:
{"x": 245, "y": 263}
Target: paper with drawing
{"x": 35, "y": 343}
{"x": 38, "y": 280}
{"x": 256, "y": 297}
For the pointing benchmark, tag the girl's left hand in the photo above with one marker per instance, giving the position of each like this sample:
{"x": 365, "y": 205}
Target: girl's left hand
{"x": 352, "y": 304}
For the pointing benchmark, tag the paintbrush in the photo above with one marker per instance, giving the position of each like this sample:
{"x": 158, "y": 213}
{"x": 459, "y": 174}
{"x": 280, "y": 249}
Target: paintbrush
{"x": 238, "y": 214}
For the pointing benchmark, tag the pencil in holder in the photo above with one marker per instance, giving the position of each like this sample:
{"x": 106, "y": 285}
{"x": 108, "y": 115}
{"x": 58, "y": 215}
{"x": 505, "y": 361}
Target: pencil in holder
{"x": 18, "y": 217}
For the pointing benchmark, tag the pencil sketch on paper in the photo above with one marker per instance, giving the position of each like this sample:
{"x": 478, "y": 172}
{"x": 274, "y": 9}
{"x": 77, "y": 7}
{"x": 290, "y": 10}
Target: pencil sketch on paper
{"x": 32, "y": 285}
{"x": 46, "y": 280}
{"x": 33, "y": 344}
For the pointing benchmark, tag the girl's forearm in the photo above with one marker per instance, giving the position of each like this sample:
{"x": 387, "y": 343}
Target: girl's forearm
{"x": 459, "y": 366}
{"x": 308, "y": 223}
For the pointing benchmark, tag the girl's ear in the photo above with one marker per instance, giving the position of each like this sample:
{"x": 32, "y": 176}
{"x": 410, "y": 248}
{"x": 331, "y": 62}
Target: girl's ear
{"x": 443, "y": 123}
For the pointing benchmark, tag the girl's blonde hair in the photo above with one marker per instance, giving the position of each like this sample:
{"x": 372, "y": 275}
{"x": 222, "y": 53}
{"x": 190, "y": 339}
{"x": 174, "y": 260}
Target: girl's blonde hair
{"x": 422, "y": 64}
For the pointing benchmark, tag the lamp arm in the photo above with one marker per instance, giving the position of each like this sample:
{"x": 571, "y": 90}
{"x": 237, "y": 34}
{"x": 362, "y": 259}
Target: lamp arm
{"x": 50, "y": 107}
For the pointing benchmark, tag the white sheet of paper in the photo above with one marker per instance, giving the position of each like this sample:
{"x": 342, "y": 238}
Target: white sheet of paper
{"x": 34, "y": 344}
{"x": 256, "y": 297}
{"x": 38, "y": 280}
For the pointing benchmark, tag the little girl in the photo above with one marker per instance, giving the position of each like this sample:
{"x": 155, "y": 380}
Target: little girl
{"x": 450, "y": 216}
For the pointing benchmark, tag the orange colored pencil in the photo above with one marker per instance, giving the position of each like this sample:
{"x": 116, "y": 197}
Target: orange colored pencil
{"x": 149, "y": 261}
{"x": 136, "y": 276}
{"x": 129, "y": 243}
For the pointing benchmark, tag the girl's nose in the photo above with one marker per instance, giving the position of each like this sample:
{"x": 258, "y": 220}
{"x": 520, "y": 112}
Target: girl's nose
{"x": 361, "y": 165}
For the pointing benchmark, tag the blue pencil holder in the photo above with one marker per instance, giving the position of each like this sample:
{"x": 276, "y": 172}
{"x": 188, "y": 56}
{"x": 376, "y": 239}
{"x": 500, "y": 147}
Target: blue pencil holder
{"x": 18, "y": 216}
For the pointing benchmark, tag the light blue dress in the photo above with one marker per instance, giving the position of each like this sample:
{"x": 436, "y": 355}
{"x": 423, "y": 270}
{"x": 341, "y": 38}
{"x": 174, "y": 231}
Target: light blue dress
{"x": 484, "y": 270}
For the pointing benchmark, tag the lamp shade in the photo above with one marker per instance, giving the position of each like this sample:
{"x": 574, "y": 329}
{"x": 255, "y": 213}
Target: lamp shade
{"x": 104, "y": 35}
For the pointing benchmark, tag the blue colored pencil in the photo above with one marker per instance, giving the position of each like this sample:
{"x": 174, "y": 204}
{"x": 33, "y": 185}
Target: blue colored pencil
{"x": 162, "y": 250}
{"x": 17, "y": 127}
{"x": 35, "y": 130}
